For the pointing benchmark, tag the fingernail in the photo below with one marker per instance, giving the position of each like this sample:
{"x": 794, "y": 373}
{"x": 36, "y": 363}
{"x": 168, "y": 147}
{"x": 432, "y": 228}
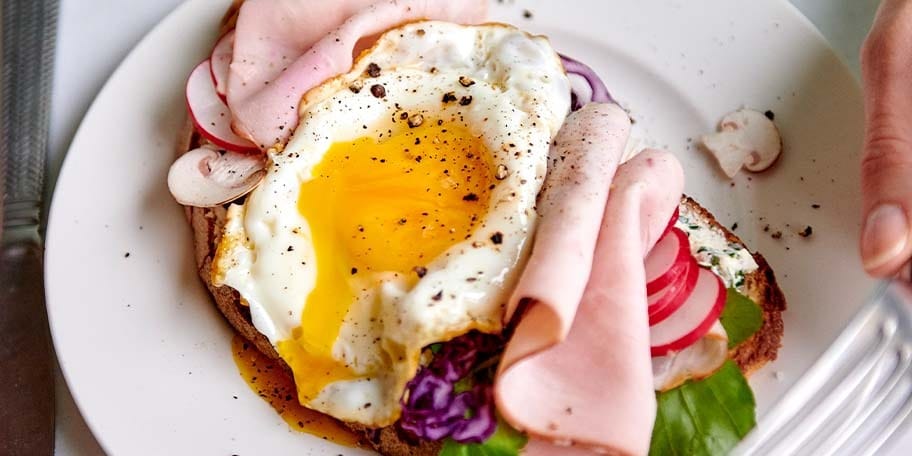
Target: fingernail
{"x": 885, "y": 235}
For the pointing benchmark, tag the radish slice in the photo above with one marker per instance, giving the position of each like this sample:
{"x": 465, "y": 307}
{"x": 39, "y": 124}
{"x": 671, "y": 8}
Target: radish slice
{"x": 693, "y": 320}
{"x": 669, "y": 299}
{"x": 672, "y": 221}
{"x": 220, "y": 63}
{"x": 667, "y": 260}
{"x": 210, "y": 114}
{"x": 207, "y": 177}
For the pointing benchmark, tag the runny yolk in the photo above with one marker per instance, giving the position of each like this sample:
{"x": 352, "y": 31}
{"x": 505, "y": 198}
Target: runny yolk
{"x": 387, "y": 205}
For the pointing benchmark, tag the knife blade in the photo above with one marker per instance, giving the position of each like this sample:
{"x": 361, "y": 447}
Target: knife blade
{"x": 29, "y": 29}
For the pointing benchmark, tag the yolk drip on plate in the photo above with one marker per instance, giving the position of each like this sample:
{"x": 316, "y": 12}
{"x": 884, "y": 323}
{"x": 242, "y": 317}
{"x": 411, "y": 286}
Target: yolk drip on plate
{"x": 378, "y": 206}
{"x": 271, "y": 382}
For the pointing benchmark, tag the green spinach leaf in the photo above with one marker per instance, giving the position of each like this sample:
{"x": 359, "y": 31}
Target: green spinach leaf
{"x": 704, "y": 418}
{"x": 741, "y": 317}
{"x": 506, "y": 441}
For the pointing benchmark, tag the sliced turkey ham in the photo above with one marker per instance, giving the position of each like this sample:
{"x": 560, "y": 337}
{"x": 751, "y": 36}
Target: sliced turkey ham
{"x": 594, "y": 390}
{"x": 283, "y": 48}
{"x": 582, "y": 161}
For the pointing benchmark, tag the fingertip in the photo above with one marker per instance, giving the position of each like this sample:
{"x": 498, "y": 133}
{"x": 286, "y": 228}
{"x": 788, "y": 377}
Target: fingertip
{"x": 885, "y": 240}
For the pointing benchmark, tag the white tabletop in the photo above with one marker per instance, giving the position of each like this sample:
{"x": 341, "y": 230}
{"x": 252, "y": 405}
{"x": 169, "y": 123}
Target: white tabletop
{"x": 95, "y": 35}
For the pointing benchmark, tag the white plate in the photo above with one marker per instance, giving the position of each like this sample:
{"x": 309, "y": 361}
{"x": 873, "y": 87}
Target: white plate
{"x": 147, "y": 356}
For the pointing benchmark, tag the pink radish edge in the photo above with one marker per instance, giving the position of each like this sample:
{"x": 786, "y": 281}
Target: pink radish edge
{"x": 673, "y": 299}
{"x": 659, "y": 275}
{"x": 220, "y": 61}
{"x": 209, "y": 113}
{"x": 703, "y": 326}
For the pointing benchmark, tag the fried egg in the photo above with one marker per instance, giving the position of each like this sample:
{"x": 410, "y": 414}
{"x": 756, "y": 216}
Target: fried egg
{"x": 400, "y": 212}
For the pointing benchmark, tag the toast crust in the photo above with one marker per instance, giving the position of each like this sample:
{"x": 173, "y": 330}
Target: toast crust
{"x": 762, "y": 288}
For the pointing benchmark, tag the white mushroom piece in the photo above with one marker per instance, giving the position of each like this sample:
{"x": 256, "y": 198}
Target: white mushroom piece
{"x": 207, "y": 176}
{"x": 746, "y": 138}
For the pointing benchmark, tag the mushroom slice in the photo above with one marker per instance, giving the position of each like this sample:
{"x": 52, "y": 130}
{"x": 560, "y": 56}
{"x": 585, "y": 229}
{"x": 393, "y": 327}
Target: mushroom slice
{"x": 207, "y": 176}
{"x": 746, "y": 138}
{"x": 698, "y": 361}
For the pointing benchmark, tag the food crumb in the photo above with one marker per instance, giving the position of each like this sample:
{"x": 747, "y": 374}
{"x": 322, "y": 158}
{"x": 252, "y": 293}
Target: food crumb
{"x": 373, "y": 70}
{"x": 807, "y": 232}
{"x": 465, "y": 81}
{"x": 378, "y": 91}
{"x": 502, "y": 172}
{"x": 777, "y": 235}
{"x": 415, "y": 121}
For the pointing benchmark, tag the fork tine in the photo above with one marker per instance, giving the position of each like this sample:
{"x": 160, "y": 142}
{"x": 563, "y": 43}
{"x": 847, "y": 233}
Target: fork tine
{"x": 834, "y": 440}
{"x": 883, "y": 434}
{"x": 854, "y": 361}
{"x": 792, "y": 406}
{"x": 852, "y": 400}
{"x": 833, "y": 396}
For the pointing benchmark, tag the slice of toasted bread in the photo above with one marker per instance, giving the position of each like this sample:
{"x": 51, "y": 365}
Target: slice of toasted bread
{"x": 760, "y": 286}
{"x": 207, "y": 225}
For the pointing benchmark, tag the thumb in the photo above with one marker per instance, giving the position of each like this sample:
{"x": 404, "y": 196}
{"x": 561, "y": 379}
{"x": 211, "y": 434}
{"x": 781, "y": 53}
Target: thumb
{"x": 886, "y": 240}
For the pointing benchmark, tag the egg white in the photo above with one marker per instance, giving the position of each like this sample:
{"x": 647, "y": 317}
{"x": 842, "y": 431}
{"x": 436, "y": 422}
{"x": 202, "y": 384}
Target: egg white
{"x": 520, "y": 97}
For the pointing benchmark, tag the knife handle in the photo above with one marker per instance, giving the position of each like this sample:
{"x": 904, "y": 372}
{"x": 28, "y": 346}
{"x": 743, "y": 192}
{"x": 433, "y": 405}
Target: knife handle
{"x": 26, "y": 375}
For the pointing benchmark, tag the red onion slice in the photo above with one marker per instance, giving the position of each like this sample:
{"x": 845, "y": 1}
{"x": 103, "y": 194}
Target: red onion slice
{"x": 597, "y": 87}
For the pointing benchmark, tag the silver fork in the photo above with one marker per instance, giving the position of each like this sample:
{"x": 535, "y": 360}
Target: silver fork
{"x": 856, "y": 396}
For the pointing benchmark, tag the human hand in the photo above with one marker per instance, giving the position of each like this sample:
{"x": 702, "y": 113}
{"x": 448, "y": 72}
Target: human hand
{"x": 886, "y": 241}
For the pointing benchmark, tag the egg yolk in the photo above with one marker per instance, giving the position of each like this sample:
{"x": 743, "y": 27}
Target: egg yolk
{"x": 391, "y": 204}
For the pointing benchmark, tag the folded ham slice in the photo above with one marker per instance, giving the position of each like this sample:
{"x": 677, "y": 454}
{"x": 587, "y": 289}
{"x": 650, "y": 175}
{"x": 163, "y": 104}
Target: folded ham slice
{"x": 581, "y": 163}
{"x": 283, "y": 48}
{"x": 594, "y": 390}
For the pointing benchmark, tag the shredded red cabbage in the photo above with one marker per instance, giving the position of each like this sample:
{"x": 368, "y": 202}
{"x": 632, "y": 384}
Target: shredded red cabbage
{"x": 598, "y": 90}
{"x": 432, "y": 409}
